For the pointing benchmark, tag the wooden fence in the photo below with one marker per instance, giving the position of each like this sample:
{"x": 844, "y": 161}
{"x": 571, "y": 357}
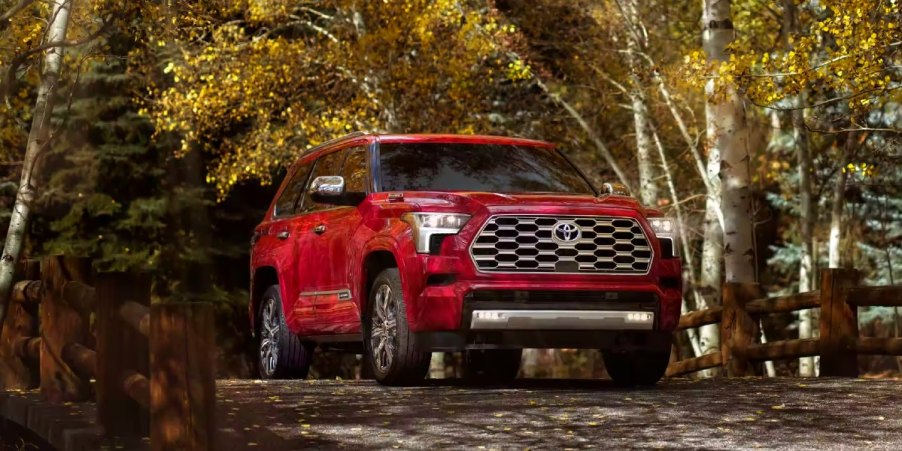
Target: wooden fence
{"x": 839, "y": 343}
{"x": 81, "y": 335}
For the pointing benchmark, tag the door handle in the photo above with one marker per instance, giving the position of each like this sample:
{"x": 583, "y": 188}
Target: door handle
{"x": 283, "y": 235}
{"x": 319, "y": 229}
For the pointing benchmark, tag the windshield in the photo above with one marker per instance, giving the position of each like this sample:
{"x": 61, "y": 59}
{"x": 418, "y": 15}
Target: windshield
{"x": 491, "y": 168}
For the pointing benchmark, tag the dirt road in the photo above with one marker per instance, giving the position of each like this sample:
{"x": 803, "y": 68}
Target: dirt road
{"x": 556, "y": 414}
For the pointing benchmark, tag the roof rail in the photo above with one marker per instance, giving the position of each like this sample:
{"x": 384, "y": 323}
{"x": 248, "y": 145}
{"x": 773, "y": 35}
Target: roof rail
{"x": 330, "y": 142}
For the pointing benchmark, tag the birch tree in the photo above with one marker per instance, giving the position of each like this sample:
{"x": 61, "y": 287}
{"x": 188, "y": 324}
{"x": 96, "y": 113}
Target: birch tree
{"x": 635, "y": 41}
{"x": 39, "y": 139}
{"x": 728, "y": 142}
{"x": 801, "y": 140}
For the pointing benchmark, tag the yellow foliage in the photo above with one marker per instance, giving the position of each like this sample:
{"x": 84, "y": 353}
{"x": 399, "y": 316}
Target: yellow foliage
{"x": 847, "y": 50}
{"x": 258, "y": 83}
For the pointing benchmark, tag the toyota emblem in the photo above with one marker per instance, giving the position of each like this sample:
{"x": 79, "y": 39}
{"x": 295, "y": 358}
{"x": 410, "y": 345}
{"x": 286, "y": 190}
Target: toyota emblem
{"x": 566, "y": 232}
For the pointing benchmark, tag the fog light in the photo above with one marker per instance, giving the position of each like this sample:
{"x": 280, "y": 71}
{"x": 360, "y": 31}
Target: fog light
{"x": 639, "y": 317}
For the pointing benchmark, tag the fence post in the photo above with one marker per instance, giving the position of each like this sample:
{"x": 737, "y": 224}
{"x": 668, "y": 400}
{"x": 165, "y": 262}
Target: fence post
{"x": 737, "y": 328}
{"x": 61, "y": 325}
{"x": 120, "y": 350}
{"x": 21, "y": 322}
{"x": 838, "y": 324}
{"x": 182, "y": 384}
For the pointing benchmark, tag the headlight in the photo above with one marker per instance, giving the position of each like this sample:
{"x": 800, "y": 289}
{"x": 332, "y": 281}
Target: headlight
{"x": 666, "y": 231}
{"x": 663, "y": 227}
{"x": 425, "y": 225}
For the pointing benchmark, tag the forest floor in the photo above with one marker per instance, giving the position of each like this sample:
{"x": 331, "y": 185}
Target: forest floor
{"x": 558, "y": 414}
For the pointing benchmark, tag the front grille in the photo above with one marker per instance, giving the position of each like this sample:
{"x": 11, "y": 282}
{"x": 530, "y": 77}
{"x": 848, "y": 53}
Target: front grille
{"x": 562, "y": 244}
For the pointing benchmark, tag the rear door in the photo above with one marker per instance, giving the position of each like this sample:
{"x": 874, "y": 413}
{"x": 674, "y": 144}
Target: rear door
{"x": 336, "y": 229}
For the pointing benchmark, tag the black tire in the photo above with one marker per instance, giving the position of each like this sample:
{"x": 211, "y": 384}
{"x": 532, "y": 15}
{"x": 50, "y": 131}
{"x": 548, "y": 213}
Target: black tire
{"x": 292, "y": 357}
{"x": 644, "y": 368}
{"x": 491, "y": 365}
{"x": 392, "y": 352}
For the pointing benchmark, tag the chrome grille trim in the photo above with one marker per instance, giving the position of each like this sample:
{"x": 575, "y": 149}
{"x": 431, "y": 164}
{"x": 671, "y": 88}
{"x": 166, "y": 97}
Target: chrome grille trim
{"x": 523, "y": 244}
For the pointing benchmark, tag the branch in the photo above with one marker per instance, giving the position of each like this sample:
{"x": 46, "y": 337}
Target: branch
{"x": 602, "y": 148}
{"x": 7, "y": 16}
{"x": 20, "y": 59}
{"x": 610, "y": 80}
{"x": 824, "y": 102}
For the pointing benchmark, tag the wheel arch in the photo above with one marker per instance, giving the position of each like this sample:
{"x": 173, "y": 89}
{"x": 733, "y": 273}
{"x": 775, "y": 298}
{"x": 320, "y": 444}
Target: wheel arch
{"x": 375, "y": 262}
{"x": 264, "y": 277}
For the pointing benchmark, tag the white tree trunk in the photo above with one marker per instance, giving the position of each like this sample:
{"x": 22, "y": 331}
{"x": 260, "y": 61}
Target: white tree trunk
{"x": 530, "y": 362}
{"x": 711, "y": 276}
{"x": 807, "y": 258}
{"x": 807, "y": 266}
{"x": 38, "y": 142}
{"x": 648, "y": 188}
{"x": 727, "y": 133}
{"x": 839, "y": 194}
{"x": 437, "y": 366}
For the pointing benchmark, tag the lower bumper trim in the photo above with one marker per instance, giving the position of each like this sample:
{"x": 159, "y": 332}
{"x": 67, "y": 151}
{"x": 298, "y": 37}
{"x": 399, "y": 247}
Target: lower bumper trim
{"x": 561, "y": 320}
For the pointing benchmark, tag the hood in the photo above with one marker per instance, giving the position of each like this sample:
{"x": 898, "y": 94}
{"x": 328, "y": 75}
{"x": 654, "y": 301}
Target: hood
{"x": 548, "y": 203}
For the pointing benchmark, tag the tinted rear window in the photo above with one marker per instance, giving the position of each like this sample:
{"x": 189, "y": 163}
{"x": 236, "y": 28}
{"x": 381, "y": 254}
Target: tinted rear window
{"x": 477, "y": 167}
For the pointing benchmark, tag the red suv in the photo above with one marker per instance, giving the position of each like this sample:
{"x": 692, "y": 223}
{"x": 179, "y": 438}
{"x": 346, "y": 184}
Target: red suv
{"x": 396, "y": 246}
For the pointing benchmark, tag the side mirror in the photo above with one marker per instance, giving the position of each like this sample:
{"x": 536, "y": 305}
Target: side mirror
{"x": 327, "y": 189}
{"x": 330, "y": 189}
{"x": 615, "y": 189}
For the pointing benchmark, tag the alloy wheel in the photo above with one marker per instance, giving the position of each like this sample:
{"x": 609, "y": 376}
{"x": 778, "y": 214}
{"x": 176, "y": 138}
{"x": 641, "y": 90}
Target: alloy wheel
{"x": 269, "y": 341}
{"x": 384, "y": 332}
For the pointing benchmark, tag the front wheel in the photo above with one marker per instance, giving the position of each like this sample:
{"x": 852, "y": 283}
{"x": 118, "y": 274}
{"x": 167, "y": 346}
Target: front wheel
{"x": 394, "y": 357}
{"x": 637, "y": 367}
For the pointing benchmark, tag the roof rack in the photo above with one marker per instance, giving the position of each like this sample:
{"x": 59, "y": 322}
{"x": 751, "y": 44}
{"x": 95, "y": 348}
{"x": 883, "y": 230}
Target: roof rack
{"x": 330, "y": 142}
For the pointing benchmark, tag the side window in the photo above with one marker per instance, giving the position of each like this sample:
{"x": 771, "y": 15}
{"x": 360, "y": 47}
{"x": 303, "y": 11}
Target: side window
{"x": 293, "y": 192}
{"x": 354, "y": 170}
{"x": 325, "y": 165}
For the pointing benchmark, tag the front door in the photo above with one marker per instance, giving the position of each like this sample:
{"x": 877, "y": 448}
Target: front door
{"x": 335, "y": 228}
{"x": 316, "y": 265}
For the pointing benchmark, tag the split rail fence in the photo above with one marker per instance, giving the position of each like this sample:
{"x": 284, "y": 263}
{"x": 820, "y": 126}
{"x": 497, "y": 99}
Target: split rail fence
{"x": 839, "y": 343}
{"x": 83, "y": 336}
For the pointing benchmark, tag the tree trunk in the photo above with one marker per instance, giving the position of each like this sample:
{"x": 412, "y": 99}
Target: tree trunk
{"x": 807, "y": 259}
{"x": 688, "y": 264}
{"x": 437, "y": 366}
{"x": 648, "y": 189}
{"x": 727, "y": 133}
{"x": 839, "y": 195}
{"x": 38, "y": 142}
{"x": 711, "y": 277}
{"x": 806, "y": 239}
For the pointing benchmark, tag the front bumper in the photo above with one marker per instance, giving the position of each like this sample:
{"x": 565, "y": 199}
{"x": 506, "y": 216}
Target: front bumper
{"x": 449, "y": 305}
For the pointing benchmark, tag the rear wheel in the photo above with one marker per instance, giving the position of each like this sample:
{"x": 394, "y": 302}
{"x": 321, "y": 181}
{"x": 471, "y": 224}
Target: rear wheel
{"x": 491, "y": 365}
{"x": 637, "y": 367}
{"x": 281, "y": 354}
{"x": 394, "y": 357}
